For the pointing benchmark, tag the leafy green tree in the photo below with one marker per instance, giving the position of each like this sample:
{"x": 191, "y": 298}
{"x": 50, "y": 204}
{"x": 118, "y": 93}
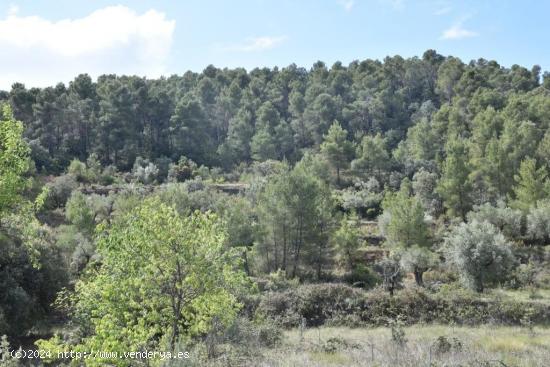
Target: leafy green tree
{"x": 263, "y": 146}
{"x": 347, "y": 239}
{"x": 319, "y": 115}
{"x": 337, "y": 148}
{"x": 295, "y": 212}
{"x": 405, "y": 226}
{"x": 32, "y": 271}
{"x": 507, "y": 220}
{"x": 191, "y": 128}
{"x": 424, "y": 186}
{"x": 406, "y": 231}
{"x": 531, "y": 185}
{"x": 417, "y": 260}
{"x": 538, "y": 222}
{"x": 79, "y": 213}
{"x": 94, "y": 169}
{"x": 163, "y": 278}
{"x": 449, "y": 74}
{"x": 78, "y": 170}
{"x": 184, "y": 170}
{"x": 480, "y": 253}
{"x": 14, "y": 160}
{"x": 454, "y": 185}
{"x": 372, "y": 157}
{"x": 242, "y": 225}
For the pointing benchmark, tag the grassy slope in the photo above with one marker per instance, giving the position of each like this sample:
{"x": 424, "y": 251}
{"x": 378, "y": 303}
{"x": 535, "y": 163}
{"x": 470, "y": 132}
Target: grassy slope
{"x": 493, "y": 345}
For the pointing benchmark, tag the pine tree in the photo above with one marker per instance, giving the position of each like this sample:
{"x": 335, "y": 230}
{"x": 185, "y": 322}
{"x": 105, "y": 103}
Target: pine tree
{"x": 454, "y": 185}
{"x": 530, "y": 185}
{"x": 337, "y": 148}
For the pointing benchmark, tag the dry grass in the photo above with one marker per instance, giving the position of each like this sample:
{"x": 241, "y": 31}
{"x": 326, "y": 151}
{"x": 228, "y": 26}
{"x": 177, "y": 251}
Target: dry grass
{"x": 480, "y": 346}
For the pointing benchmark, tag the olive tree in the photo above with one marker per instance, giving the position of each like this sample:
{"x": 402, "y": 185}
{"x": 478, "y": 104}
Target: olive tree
{"x": 538, "y": 222}
{"x": 406, "y": 231}
{"x": 480, "y": 253}
{"x": 507, "y": 220}
{"x": 418, "y": 260}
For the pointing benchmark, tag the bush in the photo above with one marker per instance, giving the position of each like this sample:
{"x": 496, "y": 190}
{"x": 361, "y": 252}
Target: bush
{"x": 78, "y": 170}
{"x": 253, "y": 334}
{"x": 335, "y": 344}
{"x": 59, "y": 191}
{"x": 145, "y": 171}
{"x": 444, "y": 345}
{"x": 182, "y": 171}
{"x": 278, "y": 280}
{"x": 316, "y": 303}
{"x": 507, "y": 220}
{"x": 362, "y": 276}
{"x": 538, "y": 223}
{"x": 108, "y": 176}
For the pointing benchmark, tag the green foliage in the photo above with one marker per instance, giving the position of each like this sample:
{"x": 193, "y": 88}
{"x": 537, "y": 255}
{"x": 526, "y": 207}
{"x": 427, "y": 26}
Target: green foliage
{"x": 372, "y": 157}
{"x": 59, "y": 191}
{"x": 6, "y": 359}
{"x": 404, "y": 225}
{"x": 78, "y": 170}
{"x": 531, "y": 184}
{"x": 364, "y": 198}
{"x": 417, "y": 260}
{"x": 362, "y": 276}
{"x": 337, "y": 148}
{"x": 29, "y": 281}
{"x": 397, "y": 331}
{"x": 424, "y": 186}
{"x": 391, "y": 274}
{"x": 454, "y": 186}
{"x": 161, "y": 275}
{"x": 340, "y": 305}
{"x": 347, "y": 239}
{"x": 182, "y": 171}
{"x": 144, "y": 171}
{"x": 14, "y": 159}
{"x": 509, "y": 221}
{"x": 480, "y": 253}
{"x": 295, "y": 211}
{"x": 463, "y": 133}
{"x": 79, "y": 213}
{"x": 538, "y": 223}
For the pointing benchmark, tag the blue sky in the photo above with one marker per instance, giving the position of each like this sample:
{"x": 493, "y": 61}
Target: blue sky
{"x": 43, "y": 42}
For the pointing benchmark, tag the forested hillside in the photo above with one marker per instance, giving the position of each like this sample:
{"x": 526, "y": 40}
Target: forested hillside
{"x": 209, "y": 212}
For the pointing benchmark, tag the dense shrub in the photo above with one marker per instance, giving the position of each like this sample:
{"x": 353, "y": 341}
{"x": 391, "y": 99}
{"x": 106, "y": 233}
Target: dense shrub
{"x": 59, "y": 191}
{"x": 316, "y": 303}
{"x": 362, "y": 276}
{"x": 78, "y": 170}
{"x": 144, "y": 171}
{"x": 507, "y": 220}
{"x": 182, "y": 171}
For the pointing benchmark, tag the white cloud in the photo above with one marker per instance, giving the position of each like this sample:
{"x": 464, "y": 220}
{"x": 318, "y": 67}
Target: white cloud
{"x": 114, "y": 39}
{"x": 347, "y": 4}
{"x": 457, "y": 32}
{"x": 13, "y": 10}
{"x": 256, "y": 44}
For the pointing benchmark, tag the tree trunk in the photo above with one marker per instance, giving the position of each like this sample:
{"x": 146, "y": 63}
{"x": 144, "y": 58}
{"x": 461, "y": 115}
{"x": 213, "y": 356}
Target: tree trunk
{"x": 418, "y": 277}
